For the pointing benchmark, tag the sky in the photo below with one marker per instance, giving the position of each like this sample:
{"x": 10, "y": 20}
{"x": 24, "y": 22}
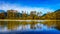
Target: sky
{"x": 43, "y": 6}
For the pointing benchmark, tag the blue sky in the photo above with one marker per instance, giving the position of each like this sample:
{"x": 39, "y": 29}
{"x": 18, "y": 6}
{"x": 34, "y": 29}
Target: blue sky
{"x": 30, "y": 5}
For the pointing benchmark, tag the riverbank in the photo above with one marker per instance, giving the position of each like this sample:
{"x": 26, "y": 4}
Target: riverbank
{"x": 25, "y": 20}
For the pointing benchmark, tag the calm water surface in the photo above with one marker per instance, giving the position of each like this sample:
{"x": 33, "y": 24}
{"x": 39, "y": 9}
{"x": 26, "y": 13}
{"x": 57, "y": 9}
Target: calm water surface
{"x": 25, "y": 26}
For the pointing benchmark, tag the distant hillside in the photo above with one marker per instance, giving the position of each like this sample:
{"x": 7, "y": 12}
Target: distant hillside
{"x": 2, "y": 11}
{"x": 57, "y": 14}
{"x": 52, "y": 16}
{"x": 57, "y": 10}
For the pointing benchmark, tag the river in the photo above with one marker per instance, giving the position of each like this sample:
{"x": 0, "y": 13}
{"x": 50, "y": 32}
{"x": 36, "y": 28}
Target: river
{"x": 26, "y": 27}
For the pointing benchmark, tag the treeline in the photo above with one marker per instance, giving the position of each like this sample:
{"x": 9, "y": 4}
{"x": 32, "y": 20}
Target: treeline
{"x": 13, "y": 14}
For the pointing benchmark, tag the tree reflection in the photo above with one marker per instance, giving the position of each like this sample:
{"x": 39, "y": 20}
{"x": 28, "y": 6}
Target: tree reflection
{"x": 55, "y": 24}
{"x": 2, "y": 23}
{"x": 49, "y": 23}
{"x": 58, "y": 25}
{"x": 12, "y": 25}
{"x": 32, "y": 25}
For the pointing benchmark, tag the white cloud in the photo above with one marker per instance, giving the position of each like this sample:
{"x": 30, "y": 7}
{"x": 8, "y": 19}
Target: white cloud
{"x": 28, "y": 9}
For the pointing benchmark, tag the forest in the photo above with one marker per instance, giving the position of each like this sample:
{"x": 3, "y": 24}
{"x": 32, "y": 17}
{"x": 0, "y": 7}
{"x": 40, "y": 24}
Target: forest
{"x": 14, "y": 14}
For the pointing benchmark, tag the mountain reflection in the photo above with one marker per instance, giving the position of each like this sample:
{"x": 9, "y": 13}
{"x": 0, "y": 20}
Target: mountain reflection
{"x": 33, "y": 25}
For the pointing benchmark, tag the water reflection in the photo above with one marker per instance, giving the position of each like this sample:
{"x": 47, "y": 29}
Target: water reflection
{"x": 26, "y": 25}
{"x": 53, "y": 24}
